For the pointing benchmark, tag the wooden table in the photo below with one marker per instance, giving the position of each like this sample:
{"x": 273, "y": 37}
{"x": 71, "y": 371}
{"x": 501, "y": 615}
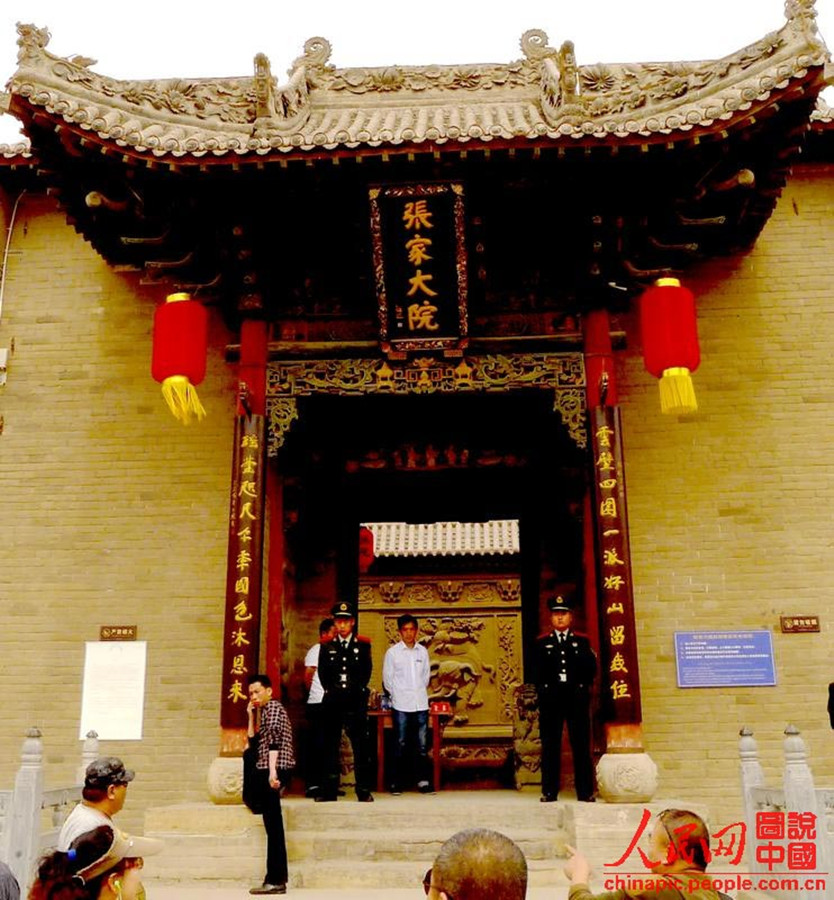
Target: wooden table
{"x": 384, "y": 720}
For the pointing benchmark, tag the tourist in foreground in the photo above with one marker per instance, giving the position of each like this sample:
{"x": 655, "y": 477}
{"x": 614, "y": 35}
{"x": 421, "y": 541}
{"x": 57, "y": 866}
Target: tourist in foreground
{"x": 477, "y": 863}
{"x": 102, "y": 864}
{"x": 678, "y": 853}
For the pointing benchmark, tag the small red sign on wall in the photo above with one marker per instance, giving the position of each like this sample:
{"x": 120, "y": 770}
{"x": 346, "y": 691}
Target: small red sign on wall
{"x": 117, "y": 633}
{"x": 798, "y": 624}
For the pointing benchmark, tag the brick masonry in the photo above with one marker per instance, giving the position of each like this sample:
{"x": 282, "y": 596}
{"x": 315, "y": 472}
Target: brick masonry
{"x": 730, "y": 509}
{"x": 115, "y": 514}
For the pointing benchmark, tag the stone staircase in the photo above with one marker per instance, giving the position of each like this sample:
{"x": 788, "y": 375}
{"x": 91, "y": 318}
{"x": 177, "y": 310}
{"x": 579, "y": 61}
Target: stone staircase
{"x": 389, "y": 843}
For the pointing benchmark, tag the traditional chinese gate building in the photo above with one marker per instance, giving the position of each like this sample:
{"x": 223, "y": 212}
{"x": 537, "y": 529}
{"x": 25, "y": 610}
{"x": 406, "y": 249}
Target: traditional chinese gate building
{"x": 422, "y": 285}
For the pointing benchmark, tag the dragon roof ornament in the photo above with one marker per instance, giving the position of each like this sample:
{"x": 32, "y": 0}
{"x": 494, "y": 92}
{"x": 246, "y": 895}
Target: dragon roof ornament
{"x": 545, "y": 95}
{"x": 824, "y": 113}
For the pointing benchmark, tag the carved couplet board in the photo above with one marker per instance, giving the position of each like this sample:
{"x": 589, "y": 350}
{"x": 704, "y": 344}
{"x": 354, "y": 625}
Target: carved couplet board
{"x": 241, "y": 631}
{"x": 620, "y": 674}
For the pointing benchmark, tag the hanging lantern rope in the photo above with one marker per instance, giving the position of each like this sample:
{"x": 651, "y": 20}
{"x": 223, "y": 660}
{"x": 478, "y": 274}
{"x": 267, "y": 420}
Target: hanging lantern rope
{"x": 179, "y": 354}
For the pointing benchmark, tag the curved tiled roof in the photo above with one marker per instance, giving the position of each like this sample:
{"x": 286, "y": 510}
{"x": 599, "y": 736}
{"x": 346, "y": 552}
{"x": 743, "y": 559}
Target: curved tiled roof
{"x": 493, "y": 538}
{"x": 20, "y": 150}
{"x": 545, "y": 96}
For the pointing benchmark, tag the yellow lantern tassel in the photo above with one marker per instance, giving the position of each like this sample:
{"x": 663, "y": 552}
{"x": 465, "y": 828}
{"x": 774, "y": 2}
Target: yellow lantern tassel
{"x": 181, "y": 397}
{"x": 677, "y": 395}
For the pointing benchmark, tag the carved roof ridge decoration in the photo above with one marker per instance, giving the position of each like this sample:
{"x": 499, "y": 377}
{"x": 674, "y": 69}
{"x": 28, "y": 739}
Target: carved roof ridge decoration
{"x": 823, "y": 113}
{"x": 16, "y": 152}
{"x": 19, "y": 149}
{"x": 545, "y": 95}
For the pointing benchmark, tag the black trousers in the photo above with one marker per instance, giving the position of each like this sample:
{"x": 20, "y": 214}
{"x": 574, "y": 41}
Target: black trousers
{"x": 276, "y": 845}
{"x": 353, "y": 720}
{"x": 569, "y": 707}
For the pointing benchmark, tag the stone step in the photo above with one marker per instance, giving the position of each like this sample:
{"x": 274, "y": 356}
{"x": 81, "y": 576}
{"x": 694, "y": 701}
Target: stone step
{"x": 389, "y": 843}
{"x": 235, "y": 858}
{"x": 224, "y": 890}
{"x": 404, "y": 844}
{"x": 432, "y": 812}
{"x": 244, "y": 851}
{"x": 314, "y": 874}
{"x": 199, "y": 818}
{"x": 406, "y": 874}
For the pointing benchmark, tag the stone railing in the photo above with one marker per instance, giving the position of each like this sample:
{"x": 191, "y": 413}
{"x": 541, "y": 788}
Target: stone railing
{"x": 30, "y": 817}
{"x": 768, "y": 856}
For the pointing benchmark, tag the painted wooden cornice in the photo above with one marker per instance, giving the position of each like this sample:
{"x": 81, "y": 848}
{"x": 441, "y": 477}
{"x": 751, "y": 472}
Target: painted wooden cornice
{"x": 544, "y": 97}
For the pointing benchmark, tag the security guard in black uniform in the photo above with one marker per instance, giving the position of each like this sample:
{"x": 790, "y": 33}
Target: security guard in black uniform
{"x": 566, "y": 667}
{"x": 344, "y": 671}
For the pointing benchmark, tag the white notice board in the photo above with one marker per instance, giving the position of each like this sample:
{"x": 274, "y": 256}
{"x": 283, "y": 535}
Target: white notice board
{"x": 113, "y": 696}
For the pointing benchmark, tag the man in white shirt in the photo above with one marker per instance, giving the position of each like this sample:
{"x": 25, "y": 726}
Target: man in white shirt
{"x": 405, "y": 677}
{"x": 103, "y": 795}
{"x": 327, "y": 631}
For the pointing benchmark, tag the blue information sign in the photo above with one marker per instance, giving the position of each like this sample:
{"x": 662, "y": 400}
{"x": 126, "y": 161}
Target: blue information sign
{"x": 724, "y": 658}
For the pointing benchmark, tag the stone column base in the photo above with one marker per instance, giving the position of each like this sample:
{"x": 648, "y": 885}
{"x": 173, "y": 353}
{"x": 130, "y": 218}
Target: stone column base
{"x": 225, "y": 780}
{"x": 626, "y": 777}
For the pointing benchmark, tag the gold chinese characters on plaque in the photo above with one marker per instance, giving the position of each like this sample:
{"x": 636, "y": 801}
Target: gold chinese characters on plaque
{"x": 420, "y": 267}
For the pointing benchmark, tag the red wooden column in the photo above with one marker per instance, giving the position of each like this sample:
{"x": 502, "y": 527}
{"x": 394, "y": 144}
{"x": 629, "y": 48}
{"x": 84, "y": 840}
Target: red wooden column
{"x": 244, "y": 561}
{"x": 620, "y": 676}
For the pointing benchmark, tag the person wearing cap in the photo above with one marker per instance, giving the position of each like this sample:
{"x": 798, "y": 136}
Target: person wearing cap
{"x": 406, "y": 672}
{"x": 102, "y": 864}
{"x": 270, "y": 733}
{"x": 565, "y": 670}
{"x": 103, "y": 795}
{"x": 344, "y": 671}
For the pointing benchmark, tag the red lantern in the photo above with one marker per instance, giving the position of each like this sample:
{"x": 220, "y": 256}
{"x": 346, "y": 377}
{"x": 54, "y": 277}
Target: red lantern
{"x": 180, "y": 329}
{"x": 366, "y": 549}
{"x": 670, "y": 342}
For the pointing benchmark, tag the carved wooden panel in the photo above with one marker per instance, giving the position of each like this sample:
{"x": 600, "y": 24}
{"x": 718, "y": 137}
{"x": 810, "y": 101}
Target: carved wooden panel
{"x": 563, "y": 373}
{"x": 527, "y": 743}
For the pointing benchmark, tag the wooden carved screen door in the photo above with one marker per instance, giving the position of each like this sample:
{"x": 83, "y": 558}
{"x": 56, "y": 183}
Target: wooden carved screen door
{"x": 470, "y": 622}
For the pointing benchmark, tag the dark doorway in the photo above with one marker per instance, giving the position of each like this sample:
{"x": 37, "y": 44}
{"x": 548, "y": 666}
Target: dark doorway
{"x": 430, "y": 458}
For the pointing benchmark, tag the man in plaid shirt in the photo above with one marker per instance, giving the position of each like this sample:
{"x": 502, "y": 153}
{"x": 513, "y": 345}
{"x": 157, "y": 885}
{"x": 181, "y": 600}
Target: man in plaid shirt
{"x": 269, "y": 725}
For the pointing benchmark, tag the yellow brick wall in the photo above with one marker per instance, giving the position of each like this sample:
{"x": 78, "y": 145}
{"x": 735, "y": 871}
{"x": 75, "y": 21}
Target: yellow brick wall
{"x": 731, "y": 509}
{"x": 114, "y": 513}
